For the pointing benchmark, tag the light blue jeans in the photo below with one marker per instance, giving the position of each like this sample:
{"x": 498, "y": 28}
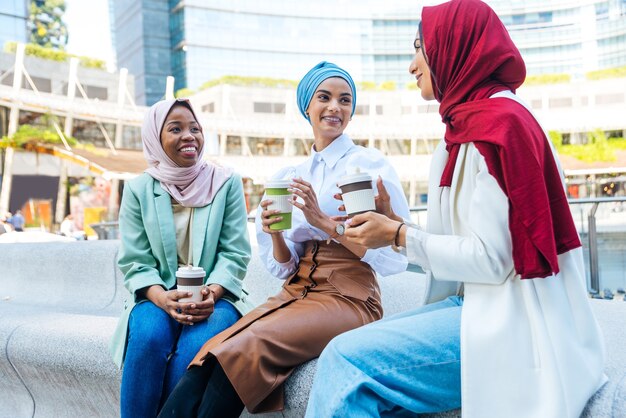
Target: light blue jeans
{"x": 399, "y": 366}
{"x": 158, "y": 353}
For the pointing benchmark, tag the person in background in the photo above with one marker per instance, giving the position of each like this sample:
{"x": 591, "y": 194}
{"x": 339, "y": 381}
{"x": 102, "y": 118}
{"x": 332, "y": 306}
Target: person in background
{"x": 17, "y": 221}
{"x": 67, "y": 226}
{"x": 182, "y": 211}
{"x": 330, "y": 285}
{"x": 518, "y": 337}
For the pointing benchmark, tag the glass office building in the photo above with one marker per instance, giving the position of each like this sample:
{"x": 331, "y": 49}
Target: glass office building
{"x": 199, "y": 40}
{"x": 13, "y": 15}
{"x": 572, "y": 37}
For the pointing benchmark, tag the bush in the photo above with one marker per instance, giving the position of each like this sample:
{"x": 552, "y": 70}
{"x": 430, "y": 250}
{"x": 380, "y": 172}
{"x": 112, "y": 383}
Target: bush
{"x": 55, "y": 55}
{"x": 250, "y": 81}
{"x": 606, "y": 73}
{"x": 28, "y": 135}
{"x": 184, "y": 93}
{"x": 598, "y": 148}
{"x": 533, "y": 80}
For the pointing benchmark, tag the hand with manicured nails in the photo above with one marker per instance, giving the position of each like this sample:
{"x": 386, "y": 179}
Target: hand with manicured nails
{"x": 309, "y": 206}
{"x": 382, "y": 201}
{"x": 186, "y": 313}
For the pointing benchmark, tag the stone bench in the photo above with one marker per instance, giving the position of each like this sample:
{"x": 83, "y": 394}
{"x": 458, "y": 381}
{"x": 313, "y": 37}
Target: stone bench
{"x": 59, "y": 304}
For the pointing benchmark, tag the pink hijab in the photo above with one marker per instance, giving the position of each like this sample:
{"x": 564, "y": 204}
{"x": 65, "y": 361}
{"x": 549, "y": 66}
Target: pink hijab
{"x": 194, "y": 186}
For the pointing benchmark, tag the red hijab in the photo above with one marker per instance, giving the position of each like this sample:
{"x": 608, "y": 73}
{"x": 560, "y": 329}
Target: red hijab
{"x": 471, "y": 57}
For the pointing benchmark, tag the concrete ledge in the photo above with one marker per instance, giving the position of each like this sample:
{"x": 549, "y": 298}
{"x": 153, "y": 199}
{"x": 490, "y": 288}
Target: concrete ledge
{"x": 55, "y": 332}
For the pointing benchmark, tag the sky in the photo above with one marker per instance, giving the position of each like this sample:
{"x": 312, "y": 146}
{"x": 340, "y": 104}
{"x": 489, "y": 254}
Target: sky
{"x": 89, "y": 30}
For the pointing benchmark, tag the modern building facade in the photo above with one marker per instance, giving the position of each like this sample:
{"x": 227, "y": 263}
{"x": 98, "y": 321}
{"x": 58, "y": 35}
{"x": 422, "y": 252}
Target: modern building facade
{"x": 199, "y": 40}
{"x": 259, "y": 129}
{"x": 571, "y": 37}
{"x": 13, "y": 17}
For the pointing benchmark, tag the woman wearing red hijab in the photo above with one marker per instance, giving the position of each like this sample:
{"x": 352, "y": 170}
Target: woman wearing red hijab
{"x": 506, "y": 329}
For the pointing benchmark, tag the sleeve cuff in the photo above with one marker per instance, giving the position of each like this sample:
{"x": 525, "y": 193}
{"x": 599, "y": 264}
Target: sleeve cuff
{"x": 416, "y": 247}
{"x": 369, "y": 256}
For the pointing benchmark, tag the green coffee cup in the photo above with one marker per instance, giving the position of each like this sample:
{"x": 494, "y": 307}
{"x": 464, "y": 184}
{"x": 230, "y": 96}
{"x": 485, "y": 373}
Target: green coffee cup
{"x": 276, "y": 190}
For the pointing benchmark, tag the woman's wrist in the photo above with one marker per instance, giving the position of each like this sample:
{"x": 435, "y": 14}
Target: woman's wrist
{"x": 154, "y": 294}
{"x": 217, "y": 290}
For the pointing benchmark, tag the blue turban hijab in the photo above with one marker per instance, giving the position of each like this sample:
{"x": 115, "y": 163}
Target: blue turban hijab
{"x": 315, "y": 77}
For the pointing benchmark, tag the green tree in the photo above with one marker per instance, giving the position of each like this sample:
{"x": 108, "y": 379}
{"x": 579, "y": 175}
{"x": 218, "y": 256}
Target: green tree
{"x": 45, "y": 23}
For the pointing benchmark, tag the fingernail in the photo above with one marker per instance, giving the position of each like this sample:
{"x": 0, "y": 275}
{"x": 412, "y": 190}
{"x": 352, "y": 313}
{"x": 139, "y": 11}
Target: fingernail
{"x": 193, "y": 306}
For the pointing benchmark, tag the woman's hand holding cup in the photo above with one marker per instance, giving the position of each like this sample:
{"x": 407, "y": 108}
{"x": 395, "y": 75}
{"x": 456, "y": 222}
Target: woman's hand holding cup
{"x": 371, "y": 230}
{"x": 169, "y": 302}
{"x": 267, "y": 220}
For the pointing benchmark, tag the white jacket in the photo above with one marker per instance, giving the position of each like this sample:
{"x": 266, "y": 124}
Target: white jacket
{"x": 529, "y": 348}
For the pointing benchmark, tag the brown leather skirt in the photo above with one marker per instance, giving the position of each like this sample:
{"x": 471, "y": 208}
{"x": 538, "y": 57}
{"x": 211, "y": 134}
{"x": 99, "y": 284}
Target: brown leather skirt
{"x": 332, "y": 292}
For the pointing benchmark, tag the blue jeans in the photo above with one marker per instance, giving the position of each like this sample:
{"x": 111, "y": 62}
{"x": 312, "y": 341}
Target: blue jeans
{"x": 158, "y": 353}
{"x": 402, "y": 365}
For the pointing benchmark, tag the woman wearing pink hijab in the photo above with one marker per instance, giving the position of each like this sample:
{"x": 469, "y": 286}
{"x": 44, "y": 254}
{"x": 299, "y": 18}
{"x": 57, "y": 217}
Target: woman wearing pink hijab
{"x": 183, "y": 211}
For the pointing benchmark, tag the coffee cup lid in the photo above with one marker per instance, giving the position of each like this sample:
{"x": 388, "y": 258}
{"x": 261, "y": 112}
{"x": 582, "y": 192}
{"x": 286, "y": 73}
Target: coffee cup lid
{"x": 353, "y": 178}
{"x": 189, "y": 272}
{"x": 278, "y": 184}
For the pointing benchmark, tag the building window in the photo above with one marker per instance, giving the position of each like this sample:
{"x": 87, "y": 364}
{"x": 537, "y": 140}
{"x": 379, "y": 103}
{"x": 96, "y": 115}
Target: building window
{"x": 379, "y": 109}
{"x": 265, "y": 107}
{"x": 605, "y": 99}
{"x": 233, "y": 145}
{"x": 560, "y": 102}
{"x": 90, "y": 132}
{"x": 429, "y": 108}
{"x": 362, "y": 110}
{"x": 42, "y": 84}
{"x": 394, "y": 146}
{"x": 131, "y": 137}
{"x": 209, "y": 108}
{"x": 407, "y": 110}
{"x": 266, "y": 146}
{"x": 300, "y": 146}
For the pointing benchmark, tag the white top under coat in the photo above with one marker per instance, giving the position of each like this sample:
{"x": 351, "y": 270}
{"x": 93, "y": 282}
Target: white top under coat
{"x": 323, "y": 170}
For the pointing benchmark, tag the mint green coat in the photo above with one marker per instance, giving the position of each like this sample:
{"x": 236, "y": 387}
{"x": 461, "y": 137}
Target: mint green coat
{"x": 148, "y": 250}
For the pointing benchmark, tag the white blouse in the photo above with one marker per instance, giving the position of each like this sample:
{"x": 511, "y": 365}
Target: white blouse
{"x": 323, "y": 170}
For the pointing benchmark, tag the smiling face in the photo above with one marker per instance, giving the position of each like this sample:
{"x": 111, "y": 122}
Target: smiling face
{"x": 330, "y": 110}
{"x": 419, "y": 68}
{"x": 181, "y": 136}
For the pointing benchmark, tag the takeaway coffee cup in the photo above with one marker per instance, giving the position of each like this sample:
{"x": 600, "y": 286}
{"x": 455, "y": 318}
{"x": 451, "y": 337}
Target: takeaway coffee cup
{"x": 276, "y": 190}
{"x": 190, "y": 279}
{"x": 357, "y": 193}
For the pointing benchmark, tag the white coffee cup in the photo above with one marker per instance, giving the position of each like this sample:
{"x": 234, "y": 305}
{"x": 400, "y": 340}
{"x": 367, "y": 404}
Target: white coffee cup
{"x": 190, "y": 279}
{"x": 357, "y": 193}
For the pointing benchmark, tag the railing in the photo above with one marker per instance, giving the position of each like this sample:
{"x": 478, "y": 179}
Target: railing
{"x": 594, "y": 286}
{"x": 592, "y": 236}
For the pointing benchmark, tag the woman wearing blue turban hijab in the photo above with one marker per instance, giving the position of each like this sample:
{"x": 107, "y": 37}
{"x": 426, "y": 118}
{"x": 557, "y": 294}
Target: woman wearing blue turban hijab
{"x": 330, "y": 285}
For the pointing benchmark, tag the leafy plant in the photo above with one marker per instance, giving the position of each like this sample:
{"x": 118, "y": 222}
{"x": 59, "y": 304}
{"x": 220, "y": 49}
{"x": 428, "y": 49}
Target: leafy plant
{"x": 533, "y": 80}
{"x": 55, "y": 55}
{"x": 28, "y": 135}
{"x": 250, "y": 81}
{"x": 598, "y": 147}
{"x": 387, "y": 85}
{"x": 606, "y": 73}
{"x": 184, "y": 92}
